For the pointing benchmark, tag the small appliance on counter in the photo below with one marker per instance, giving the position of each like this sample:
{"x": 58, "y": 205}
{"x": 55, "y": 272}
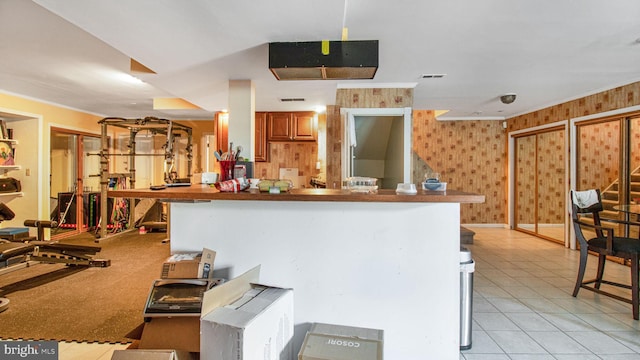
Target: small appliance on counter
{"x": 205, "y": 178}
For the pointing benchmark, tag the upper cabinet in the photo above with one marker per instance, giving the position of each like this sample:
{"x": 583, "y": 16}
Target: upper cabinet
{"x": 261, "y": 145}
{"x": 291, "y": 126}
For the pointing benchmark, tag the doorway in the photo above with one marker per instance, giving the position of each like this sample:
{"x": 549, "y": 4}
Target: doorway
{"x": 608, "y": 159}
{"x": 377, "y": 143}
{"x": 74, "y": 181}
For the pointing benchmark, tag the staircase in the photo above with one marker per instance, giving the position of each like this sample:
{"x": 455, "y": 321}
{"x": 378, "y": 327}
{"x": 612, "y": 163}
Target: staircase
{"x": 610, "y": 199}
{"x": 610, "y": 193}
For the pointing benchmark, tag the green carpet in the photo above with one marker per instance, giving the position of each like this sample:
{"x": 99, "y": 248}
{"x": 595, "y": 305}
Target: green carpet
{"x": 56, "y": 302}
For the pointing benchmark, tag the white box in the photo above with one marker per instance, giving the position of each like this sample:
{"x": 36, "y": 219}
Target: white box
{"x": 243, "y": 320}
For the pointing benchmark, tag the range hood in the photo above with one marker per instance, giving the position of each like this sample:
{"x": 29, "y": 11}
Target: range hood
{"x": 324, "y": 60}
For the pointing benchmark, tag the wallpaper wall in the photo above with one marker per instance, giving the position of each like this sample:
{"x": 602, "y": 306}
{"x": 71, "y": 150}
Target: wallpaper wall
{"x": 470, "y": 156}
{"x": 616, "y": 98}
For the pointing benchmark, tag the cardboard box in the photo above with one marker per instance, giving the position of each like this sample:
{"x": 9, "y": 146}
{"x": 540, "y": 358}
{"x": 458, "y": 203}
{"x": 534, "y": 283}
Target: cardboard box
{"x": 245, "y": 321}
{"x": 337, "y": 342}
{"x": 176, "y": 333}
{"x": 189, "y": 266}
{"x": 150, "y": 355}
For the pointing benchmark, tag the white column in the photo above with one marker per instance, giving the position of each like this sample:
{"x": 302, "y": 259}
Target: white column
{"x": 242, "y": 116}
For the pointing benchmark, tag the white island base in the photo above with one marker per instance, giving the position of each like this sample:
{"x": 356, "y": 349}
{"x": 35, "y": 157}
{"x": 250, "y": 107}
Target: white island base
{"x": 391, "y": 266}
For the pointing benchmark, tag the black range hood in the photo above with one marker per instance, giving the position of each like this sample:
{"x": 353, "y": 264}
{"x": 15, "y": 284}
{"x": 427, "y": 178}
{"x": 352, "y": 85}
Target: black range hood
{"x": 324, "y": 60}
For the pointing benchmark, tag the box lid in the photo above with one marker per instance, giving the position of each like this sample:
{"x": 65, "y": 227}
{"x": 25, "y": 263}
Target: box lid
{"x": 230, "y": 291}
{"x": 335, "y": 347}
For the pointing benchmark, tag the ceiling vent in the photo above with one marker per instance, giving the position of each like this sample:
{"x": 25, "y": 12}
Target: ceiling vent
{"x": 324, "y": 60}
{"x": 291, "y": 99}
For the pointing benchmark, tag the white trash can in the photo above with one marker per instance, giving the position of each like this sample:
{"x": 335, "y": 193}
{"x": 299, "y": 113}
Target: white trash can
{"x": 467, "y": 267}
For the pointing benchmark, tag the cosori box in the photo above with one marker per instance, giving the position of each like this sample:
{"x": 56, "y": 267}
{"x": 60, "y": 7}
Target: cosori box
{"x": 337, "y": 342}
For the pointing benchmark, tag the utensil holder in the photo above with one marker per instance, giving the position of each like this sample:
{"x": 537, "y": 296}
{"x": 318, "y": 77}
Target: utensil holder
{"x": 226, "y": 169}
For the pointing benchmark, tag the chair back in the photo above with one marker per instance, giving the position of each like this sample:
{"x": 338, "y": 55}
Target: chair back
{"x": 578, "y": 206}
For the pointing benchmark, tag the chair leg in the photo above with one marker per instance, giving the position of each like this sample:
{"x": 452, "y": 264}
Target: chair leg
{"x": 581, "y": 269}
{"x": 634, "y": 285}
{"x": 602, "y": 260}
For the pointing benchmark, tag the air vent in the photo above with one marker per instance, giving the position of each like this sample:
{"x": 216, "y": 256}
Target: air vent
{"x": 291, "y": 99}
{"x": 432, "y": 76}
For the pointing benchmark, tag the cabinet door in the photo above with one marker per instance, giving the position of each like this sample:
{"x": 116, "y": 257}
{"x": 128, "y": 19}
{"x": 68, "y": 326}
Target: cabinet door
{"x": 279, "y": 127}
{"x": 262, "y": 148}
{"x": 304, "y": 128}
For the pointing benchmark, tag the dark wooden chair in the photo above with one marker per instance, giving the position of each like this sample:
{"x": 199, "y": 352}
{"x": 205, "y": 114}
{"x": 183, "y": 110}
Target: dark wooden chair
{"x": 605, "y": 243}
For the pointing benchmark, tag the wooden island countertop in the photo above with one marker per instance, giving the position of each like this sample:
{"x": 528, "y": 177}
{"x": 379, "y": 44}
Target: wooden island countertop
{"x": 199, "y": 192}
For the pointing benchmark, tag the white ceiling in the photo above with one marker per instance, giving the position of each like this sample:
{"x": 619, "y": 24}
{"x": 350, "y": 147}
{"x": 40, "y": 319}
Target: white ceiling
{"x": 70, "y": 52}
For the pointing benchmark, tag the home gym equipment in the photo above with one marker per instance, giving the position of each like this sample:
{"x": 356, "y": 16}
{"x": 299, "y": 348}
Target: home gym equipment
{"x": 171, "y": 130}
{"x": 18, "y": 249}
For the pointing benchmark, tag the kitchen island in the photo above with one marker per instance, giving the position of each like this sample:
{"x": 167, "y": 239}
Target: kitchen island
{"x": 382, "y": 261}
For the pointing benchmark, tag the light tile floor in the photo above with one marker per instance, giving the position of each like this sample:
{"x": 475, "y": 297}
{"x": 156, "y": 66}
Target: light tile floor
{"x": 523, "y": 308}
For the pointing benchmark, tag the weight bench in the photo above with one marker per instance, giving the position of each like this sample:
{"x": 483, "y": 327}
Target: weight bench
{"x": 17, "y": 247}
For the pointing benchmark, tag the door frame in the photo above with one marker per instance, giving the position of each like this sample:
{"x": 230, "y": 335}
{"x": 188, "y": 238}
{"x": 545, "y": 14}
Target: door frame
{"x": 347, "y": 116}
{"x": 80, "y": 134}
{"x": 574, "y": 123}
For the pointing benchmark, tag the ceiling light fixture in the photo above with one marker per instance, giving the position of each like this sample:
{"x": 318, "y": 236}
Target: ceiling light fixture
{"x": 508, "y": 98}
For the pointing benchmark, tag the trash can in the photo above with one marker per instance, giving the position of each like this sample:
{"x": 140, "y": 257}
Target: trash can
{"x": 467, "y": 267}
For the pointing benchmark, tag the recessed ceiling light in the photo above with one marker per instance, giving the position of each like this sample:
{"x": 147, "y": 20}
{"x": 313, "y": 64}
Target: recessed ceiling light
{"x": 432, "y": 76}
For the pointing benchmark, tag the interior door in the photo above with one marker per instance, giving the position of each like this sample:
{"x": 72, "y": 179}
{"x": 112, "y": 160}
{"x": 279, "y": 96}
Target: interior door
{"x": 540, "y": 180}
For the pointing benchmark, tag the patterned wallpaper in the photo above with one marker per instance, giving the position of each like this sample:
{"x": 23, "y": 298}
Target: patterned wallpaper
{"x": 551, "y": 179}
{"x": 374, "y": 98}
{"x": 301, "y": 155}
{"x": 616, "y": 98}
{"x": 525, "y": 161}
{"x": 470, "y": 156}
{"x": 598, "y": 155}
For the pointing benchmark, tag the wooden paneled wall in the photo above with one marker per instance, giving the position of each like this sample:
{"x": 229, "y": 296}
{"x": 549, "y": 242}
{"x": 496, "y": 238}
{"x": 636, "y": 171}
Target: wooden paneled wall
{"x": 470, "y": 156}
{"x": 334, "y": 146}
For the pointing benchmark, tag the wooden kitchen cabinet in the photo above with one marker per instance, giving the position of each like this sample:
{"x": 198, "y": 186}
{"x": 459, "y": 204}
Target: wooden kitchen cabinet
{"x": 261, "y": 145}
{"x": 304, "y": 126}
{"x": 279, "y": 127}
{"x": 291, "y": 126}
